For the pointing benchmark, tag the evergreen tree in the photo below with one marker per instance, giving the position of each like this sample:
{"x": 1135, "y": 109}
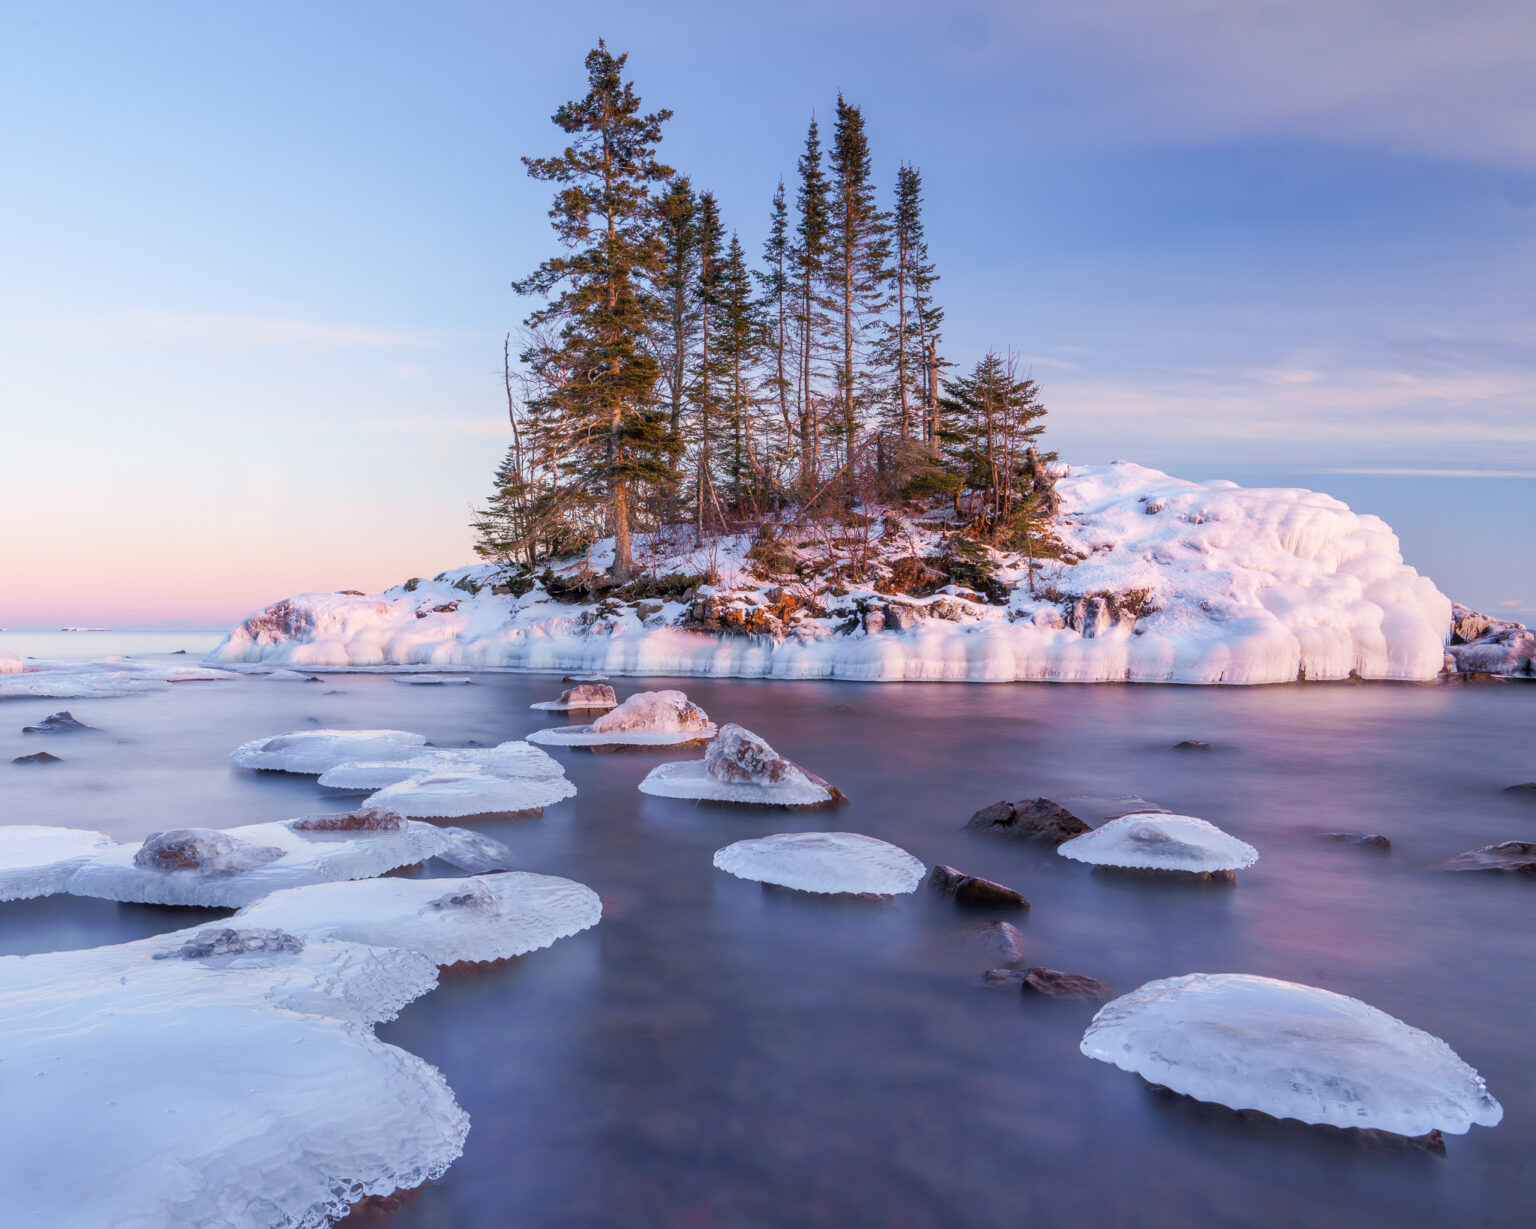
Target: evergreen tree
{"x": 775, "y": 282}
{"x": 739, "y": 331}
{"x": 993, "y": 419}
{"x": 905, "y": 346}
{"x": 679, "y": 240}
{"x": 710, "y": 237}
{"x": 605, "y": 219}
{"x": 857, "y": 253}
{"x": 808, "y": 262}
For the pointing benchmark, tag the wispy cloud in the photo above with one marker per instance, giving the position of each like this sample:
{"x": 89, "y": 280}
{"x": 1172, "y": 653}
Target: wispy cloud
{"x": 154, "y": 327}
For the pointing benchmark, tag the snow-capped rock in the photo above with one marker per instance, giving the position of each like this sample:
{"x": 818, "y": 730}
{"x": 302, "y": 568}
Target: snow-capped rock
{"x": 1157, "y": 842}
{"x": 584, "y": 697}
{"x": 740, "y": 767}
{"x": 646, "y": 719}
{"x": 827, "y": 862}
{"x": 1290, "y": 1051}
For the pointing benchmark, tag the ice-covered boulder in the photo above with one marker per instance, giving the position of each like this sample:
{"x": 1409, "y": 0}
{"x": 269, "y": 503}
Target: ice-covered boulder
{"x": 36, "y": 860}
{"x": 311, "y": 752}
{"x": 1290, "y": 1051}
{"x": 1157, "y": 842}
{"x": 58, "y": 723}
{"x": 470, "y": 791}
{"x": 584, "y": 696}
{"x": 829, "y": 862}
{"x": 1510, "y": 857}
{"x": 509, "y": 759}
{"x": 232, "y": 867}
{"x": 740, "y": 767}
{"x": 646, "y": 719}
{"x": 489, "y": 917}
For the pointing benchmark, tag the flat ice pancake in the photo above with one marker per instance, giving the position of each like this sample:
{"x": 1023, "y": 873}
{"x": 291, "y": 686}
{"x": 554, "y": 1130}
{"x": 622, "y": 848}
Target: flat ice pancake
{"x": 509, "y": 759}
{"x": 489, "y": 917}
{"x": 235, "y": 866}
{"x": 311, "y": 752}
{"x": 1160, "y": 842}
{"x": 587, "y": 736}
{"x": 36, "y": 860}
{"x": 691, "y": 779}
{"x": 824, "y": 862}
{"x": 1290, "y": 1051}
{"x": 448, "y": 795}
{"x": 112, "y": 676}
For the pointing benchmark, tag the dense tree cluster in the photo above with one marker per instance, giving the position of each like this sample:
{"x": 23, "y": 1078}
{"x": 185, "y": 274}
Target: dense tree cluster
{"x": 664, "y": 380}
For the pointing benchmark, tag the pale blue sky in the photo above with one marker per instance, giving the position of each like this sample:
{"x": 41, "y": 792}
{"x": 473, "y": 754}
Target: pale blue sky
{"x": 254, "y": 260}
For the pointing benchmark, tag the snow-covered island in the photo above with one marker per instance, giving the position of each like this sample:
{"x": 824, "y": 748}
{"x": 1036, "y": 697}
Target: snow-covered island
{"x": 1146, "y": 578}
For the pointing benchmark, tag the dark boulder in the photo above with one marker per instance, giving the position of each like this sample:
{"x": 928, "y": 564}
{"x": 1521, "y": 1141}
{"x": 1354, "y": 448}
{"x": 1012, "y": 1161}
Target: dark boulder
{"x": 972, "y": 891}
{"x": 58, "y": 723}
{"x": 1190, "y": 744}
{"x": 1514, "y": 857}
{"x": 1054, "y": 984}
{"x": 1360, "y": 840}
{"x": 1037, "y": 819}
{"x": 41, "y": 757}
{"x": 1527, "y": 790}
{"x": 993, "y": 943}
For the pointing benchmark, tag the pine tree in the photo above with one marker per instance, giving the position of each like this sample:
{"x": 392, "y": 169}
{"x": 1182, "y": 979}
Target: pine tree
{"x": 739, "y": 332}
{"x": 710, "y": 237}
{"x": 605, "y": 218}
{"x": 679, "y": 240}
{"x": 857, "y": 253}
{"x": 992, "y": 423}
{"x": 808, "y": 261}
{"x": 904, "y": 348}
{"x": 776, "y": 308}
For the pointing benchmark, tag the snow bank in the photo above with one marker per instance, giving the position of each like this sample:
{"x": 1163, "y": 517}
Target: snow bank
{"x": 312, "y": 752}
{"x": 1290, "y": 1051}
{"x": 1167, "y": 581}
{"x": 37, "y": 861}
{"x": 1161, "y": 842}
{"x": 824, "y": 862}
{"x": 107, "y": 677}
{"x": 235, "y": 866}
{"x": 738, "y": 766}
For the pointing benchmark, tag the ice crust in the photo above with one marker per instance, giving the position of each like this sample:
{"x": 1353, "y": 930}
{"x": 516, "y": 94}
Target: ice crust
{"x": 738, "y": 766}
{"x": 646, "y": 719}
{"x": 1249, "y": 586}
{"x": 233, "y": 877}
{"x": 36, "y": 860}
{"x": 489, "y": 917}
{"x": 469, "y": 791}
{"x": 107, "y": 677}
{"x": 1160, "y": 842}
{"x": 824, "y": 862}
{"x": 311, "y": 752}
{"x": 1291, "y": 1051}
{"x": 509, "y": 759}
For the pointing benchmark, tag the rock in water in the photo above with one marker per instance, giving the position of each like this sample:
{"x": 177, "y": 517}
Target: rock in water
{"x": 1039, "y": 819}
{"x": 38, "y": 757}
{"x": 1290, "y": 1051}
{"x": 994, "y": 943}
{"x": 1515, "y": 857}
{"x": 973, "y": 891}
{"x": 741, "y": 767}
{"x": 1360, "y": 840}
{"x": 588, "y": 696}
{"x": 1054, "y": 984}
{"x": 58, "y": 723}
{"x": 1526, "y": 790}
{"x": 646, "y": 719}
{"x": 1190, "y": 744}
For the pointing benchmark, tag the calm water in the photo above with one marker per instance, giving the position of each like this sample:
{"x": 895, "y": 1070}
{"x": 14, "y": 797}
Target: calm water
{"x": 715, "y": 1055}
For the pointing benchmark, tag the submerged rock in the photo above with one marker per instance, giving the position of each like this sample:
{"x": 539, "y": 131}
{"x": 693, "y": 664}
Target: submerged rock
{"x": 995, "y": 943}
{"x": 1526, "y": 790}
{"x": 204, "y": 849}
{"x": 1190, "y": 744}
{"x": 366, "y": 819}
{"x": 1038, "y": 819}
{"x": 973, "y": 891}
{"x": 58, "y": 723}
{"x": 1516, "y": 857}
{"x": 1360, "y": 840}
{"x": 227, "y": 941}
{"x": 1054, "y": 984}
{"x": 39, "y": 757}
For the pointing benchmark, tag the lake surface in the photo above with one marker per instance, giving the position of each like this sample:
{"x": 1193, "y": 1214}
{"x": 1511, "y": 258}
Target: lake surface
{"x": 713, "y": 1054}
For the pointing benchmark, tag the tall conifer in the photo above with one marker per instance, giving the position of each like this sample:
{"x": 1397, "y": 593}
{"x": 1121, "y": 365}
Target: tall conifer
{"x": 775, "y": 282}
{"x": 679, "y": 239}
{"x": 809, "y": 265}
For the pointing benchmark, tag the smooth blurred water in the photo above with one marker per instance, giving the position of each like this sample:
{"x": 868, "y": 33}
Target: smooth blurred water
{"x": 713, "y": 1054}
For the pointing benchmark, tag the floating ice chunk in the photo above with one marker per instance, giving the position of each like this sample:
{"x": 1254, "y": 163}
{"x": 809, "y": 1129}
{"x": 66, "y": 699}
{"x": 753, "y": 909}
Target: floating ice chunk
{"x": 823, "y": 862}
{"x": 738, "y": 766}
{"x": 230, "y": 868}
{"x": 489, "y": 917}
{"x": 1290, "y": 1051}
{"x": 646, "y": 719}
{"x": 243, "y": 1086}
{"x": 114, "y": 676}
{"x": 584, "y": 696}
{"x": 469, "y": 791}
{"x": 508, "y": 759}
{"x": 311, "y": 752}
{"x": 36, "y": 860}
{"x": 474, "y": 853}
{"x": 1160, "y": 842}
{"x": 432, "y": 680}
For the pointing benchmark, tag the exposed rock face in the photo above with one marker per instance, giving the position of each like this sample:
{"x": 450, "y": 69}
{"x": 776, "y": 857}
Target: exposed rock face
{"x": 204, "y": 849}
{"x": 972, "y": 891}
{"x": 1037, "y": 819}
{"x": 994, "y": 943}
{"x": 1482, "y": 645}
{"x": 589, "y": 695}
{"x": 1057, "y": 985}
{"x": 653, "y": 710}
{"x": 226, "y": 941}
{"x": 1360, "y": 840}
{"x": 40, "y": 757}
{"x": 913, "y": 576}
{"x": 58, "y": 723}
{"x": 1190, "y": 744}
{"x": 739, "y": 756}
{"x": 369, "y": 819}
{"x": 901, "y": 617}
{"x": 1515, "y": 857}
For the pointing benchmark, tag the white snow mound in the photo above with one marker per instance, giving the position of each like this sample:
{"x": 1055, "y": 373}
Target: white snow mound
{"x": 311, "y": 752}
{"x": 739, "y": 766}
{"x": 824, "y": 862}
{"x": 1160, "y": 842}
{"x": 1290, "y": 1051}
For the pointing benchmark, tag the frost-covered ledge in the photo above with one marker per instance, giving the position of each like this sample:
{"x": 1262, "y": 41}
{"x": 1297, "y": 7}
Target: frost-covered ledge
{"x": 1230, "y": 585}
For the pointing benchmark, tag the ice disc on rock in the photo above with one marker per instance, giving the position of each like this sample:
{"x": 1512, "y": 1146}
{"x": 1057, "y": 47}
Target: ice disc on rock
{"x": 311, "y": 752}
{"x": 470, "y": 791}
{"x": 646, "y": 719}
{"x": 1160, "y": 842}
{"x": 36, "y": 860}
{"x": 508, "y": 759}
{"x": 740, "y": 767}
{"x": 1290, "y": 1051}
{"x": 824, "y": 862}
{"x": 588, "y": 696}
{"x": 488, "y": 917}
